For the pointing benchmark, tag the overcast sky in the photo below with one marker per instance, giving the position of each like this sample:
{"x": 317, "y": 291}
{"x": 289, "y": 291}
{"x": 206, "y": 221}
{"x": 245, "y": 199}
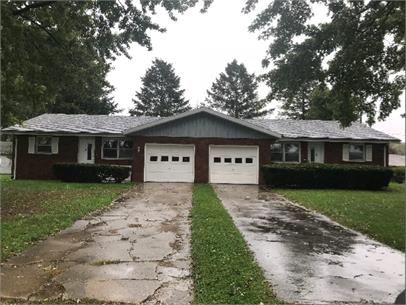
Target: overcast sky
{"x": 199, "y": 46}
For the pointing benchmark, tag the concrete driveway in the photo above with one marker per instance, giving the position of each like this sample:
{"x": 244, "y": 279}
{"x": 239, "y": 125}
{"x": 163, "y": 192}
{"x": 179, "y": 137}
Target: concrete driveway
{"x": 137, "y": 251}
{"x": 307, "y": 257}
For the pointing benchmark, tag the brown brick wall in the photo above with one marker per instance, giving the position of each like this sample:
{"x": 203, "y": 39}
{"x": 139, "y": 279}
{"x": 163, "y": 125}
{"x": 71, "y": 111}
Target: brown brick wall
{"x": 201, "y": 153}
{"x": 39, "y": 166}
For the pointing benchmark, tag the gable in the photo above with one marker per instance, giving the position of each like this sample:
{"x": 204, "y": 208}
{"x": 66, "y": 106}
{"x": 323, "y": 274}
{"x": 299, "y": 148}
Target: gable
{"x": 202, "y": 125}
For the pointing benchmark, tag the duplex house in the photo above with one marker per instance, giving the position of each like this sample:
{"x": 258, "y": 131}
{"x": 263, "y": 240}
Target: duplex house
{"x": 201, "y": 145}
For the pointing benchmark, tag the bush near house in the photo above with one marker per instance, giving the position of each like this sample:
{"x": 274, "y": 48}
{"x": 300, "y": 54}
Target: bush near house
{"x": 73, "y": 172}
{"x": 398, "y": 174}
{"x": 319, "y": 176}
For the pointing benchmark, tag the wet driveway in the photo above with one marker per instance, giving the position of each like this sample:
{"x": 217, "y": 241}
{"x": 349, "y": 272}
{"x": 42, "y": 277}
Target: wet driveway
{"x": 137, "y": 251}
{"x": 308, "y": 258}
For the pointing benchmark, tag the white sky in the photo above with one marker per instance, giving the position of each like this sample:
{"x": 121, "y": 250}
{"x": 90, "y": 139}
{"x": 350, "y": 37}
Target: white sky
{"x": 199, "y": 46}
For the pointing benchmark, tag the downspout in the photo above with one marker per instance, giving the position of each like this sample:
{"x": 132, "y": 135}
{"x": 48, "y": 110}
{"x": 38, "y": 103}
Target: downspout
{"x": 14, "y": 164}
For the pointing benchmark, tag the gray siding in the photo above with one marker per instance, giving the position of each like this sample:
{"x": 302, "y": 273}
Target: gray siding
{"x": 203, "y": 125}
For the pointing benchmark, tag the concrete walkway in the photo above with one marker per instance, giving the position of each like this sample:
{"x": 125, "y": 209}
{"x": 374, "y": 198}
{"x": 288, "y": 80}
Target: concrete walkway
{"x": 137, "y": 251}
{"x": 308, "y": 258}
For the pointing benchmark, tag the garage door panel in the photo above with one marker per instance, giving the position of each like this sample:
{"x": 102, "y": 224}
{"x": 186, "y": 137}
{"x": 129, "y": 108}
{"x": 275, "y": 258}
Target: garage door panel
{"x": 169, "y": 163}
{"x": 234, "y": 164}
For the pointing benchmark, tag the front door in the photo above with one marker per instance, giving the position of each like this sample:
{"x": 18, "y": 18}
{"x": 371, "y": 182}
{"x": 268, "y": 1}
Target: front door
{"x": 86, "y": 150}
{"x": 316, "y": 152}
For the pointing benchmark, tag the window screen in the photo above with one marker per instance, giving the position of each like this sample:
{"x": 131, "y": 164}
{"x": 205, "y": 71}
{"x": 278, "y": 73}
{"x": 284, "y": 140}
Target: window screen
{"x": 356, "y": 152}
{"x": 44, "y": 145}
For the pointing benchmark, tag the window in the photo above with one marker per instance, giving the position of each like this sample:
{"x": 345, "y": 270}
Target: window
{"x": 164, "y": 158}
{"x": 276, "y": 152}
{"x": 238, "y": 160}
{"x": 227, "y": 160}
{"x": 153, "y": 158}
{"x": 125, "y": 149}
{"x": 356, "y": 152}
{"x": 249, "y": 160}
{"x": 110, "y": 148}
{"x": 117, "y": 148}
{"x": 291, "y": 152}
{"x": 217, "y": 160}
{"x": 44, "y": 145}
{"x": 285, "y": 152}
{"x": 175, "y": 159}
{"x": 186, "y": 159}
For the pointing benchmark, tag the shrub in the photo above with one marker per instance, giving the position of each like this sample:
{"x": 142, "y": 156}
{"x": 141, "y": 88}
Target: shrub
{"x": 74, "y": 172}
{"x": 327, "y": 176}
{"x": 398, "y": 174}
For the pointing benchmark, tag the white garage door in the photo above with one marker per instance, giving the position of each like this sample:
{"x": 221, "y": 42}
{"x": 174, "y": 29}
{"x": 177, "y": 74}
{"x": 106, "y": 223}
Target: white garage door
{"x": 233, "y": 164}
{"x": 169, "y": 163}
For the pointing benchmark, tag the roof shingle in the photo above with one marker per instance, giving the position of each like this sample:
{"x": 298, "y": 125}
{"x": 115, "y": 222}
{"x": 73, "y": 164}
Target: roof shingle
{"x": 318, "y": 129}
{"x": 105, "y": 124}
{"x": 80, "y": 123}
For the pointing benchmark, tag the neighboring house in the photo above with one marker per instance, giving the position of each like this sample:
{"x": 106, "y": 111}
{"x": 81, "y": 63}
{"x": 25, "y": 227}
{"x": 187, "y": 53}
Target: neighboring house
{"x": 396, "y": 160}
{"x": 201, "y": 145}
{"x": 5, "y": 157}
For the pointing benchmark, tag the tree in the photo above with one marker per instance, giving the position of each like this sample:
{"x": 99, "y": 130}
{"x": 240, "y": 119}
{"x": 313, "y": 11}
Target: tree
{"x": 56, "y": 54}
{"x": 321, "y": 105}
{"x": 160, "y": 94}
{"x": 235, "y": 92}
{"x": 358, "y": 54}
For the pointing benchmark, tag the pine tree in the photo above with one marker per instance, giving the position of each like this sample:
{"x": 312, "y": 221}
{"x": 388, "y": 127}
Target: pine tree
{"x": 160, "y": 94}
{"x": 235, "y": 92}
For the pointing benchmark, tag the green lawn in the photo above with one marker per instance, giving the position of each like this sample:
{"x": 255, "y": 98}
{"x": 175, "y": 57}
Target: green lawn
{"x": 379, "y": 214}
{"x": 32, "y": 210}
{"x": 224, "y": 271}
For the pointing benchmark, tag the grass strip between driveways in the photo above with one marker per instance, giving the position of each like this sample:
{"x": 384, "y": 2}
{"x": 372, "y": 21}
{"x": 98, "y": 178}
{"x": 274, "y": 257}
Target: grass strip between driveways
{"x": 32, "y": 210}
{"x": 379, "y": 214}
{"x": 224, "y": 271}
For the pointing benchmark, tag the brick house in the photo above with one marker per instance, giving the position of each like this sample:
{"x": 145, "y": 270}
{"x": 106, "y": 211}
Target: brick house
{"x": 201, "y": 145}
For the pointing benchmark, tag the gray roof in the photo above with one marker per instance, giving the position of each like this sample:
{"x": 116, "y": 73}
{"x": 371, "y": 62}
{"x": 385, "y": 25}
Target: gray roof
{"x": 318, "y": 129}
{"x": 79, "y": 123}
{"x": 106, "y": 124}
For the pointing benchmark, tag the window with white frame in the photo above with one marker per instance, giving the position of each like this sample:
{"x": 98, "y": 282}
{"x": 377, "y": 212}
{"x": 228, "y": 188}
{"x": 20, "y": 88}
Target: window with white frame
{"x": 277, "y": 152}
{"x": 285, "y": 152}
{"x": 117, "y": 148}
{"x": 356, "y": 152}
{"x": 43, "y": 145}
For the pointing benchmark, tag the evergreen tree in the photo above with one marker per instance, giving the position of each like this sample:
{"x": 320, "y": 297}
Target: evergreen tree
{"x": 235, "y": 92}
{"x": 321, "y": 105}
{"x": 160, "y": 94}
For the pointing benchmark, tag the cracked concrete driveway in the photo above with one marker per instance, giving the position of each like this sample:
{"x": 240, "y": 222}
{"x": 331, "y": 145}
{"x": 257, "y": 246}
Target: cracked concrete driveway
{"x": 136, "y": 251}
{"x": 308, "y": 258}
